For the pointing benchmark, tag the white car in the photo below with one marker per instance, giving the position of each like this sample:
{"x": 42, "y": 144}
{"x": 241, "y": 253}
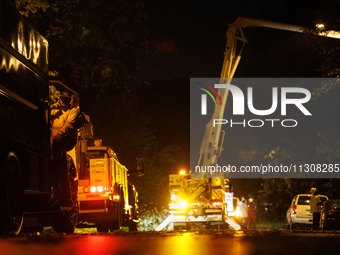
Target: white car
{"x": 299, "y": 213}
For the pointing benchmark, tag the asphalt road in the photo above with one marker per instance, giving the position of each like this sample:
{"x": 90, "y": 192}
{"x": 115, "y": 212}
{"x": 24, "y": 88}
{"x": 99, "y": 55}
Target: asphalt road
{"x": 179, "y": 243}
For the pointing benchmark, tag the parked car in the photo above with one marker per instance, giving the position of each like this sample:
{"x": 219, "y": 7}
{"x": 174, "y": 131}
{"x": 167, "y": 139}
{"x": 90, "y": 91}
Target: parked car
{"x": 330, "y": 215}
{"x": 298, "y": 214}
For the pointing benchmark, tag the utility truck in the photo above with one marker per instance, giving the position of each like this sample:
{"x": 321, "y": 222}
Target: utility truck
{"x": 201, "y": 203}
{"x": 197, "y": 203}
{"x": 105, "y": 196}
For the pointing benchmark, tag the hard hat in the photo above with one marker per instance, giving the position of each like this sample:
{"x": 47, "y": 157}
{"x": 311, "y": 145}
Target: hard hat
{"x": 251, "y": 200}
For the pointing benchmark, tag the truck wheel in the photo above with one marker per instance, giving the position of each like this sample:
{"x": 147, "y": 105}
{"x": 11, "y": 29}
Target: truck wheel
{"x": 118, "y": 210}
{"x": 102, "y": 227}
{"x": 117, "y": 221}
{"x": 12, "y": 195}
{"x": 133, "y": 226}
{"x": 65, "y": 221}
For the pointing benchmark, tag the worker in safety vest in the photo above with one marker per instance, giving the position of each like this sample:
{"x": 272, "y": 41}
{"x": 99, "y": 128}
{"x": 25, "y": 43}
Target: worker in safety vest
{"x": 315, "y": 208}
{"x": 252, "y": 213}
{"x": 243, "y": 214}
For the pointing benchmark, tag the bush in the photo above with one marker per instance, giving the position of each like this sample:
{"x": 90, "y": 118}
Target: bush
{"x": 150, "y": 218}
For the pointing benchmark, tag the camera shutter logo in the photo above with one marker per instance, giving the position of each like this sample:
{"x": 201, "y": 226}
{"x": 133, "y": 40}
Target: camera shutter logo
{"x": 204, "y": 97}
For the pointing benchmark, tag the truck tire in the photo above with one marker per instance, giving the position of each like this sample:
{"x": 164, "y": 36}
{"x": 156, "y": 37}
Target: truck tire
{"x": 118, "y": 210}
{"x": 11, "y": 195}
{"x": 65, "y": 221}
{"x": 116, "y": 221}
{"x": 65, "y": 217}
{"x": 102, "y": 227}
{"x": 133, "y": 226}
{"x": 108, "y": 221}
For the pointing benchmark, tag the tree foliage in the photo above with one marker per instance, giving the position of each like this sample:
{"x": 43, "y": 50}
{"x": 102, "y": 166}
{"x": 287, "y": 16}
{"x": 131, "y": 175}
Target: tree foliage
{"x": 83, "y": 34}
{"x": 99, "y": 48}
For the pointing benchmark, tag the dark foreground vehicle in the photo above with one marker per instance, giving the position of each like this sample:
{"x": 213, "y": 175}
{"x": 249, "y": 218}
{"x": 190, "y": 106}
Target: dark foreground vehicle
{"x": 330, "y": 215}
{"x": 29, "y": 193}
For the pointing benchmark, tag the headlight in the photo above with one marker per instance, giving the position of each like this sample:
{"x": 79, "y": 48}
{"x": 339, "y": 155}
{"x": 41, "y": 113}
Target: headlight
{"x": 182, "y": 204}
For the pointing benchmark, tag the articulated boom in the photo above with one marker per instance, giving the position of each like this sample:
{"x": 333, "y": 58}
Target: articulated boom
{"x": 210, "y": 148}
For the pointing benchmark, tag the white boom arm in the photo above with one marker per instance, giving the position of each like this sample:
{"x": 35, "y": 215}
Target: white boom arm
{"x": 209, "y": 147}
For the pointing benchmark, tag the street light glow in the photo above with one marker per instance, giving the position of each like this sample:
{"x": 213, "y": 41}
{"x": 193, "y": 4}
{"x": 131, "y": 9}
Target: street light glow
{"x": 329, "y": 33}
{"x": 320, "y": 25}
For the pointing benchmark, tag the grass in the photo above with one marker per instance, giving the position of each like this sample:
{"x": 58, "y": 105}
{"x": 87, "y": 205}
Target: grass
{"x": 265, "y": 224}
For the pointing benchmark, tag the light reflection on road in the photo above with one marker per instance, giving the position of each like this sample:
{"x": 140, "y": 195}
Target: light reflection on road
{"x": 186, "y": 244}
{"x": 236, "y": 243}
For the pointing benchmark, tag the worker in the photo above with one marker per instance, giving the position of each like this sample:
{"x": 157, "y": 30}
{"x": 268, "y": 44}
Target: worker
{"x": 252, "y": 213}
{"x": 315, "y": 208}
{"x": 83, "y": 118}
{"x": 64, "y": 123}
{"x": 243, "y": 214}
{"x": 64, "y": 127}
{"x": 242, "y": 198}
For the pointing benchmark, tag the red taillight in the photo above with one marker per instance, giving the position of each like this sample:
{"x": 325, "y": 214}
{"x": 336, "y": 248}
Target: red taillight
{"x": 330, "y": 211}
{"x": 217, "y": 204}
{"x": 93, "y": 189}
{"x": 86, "y": 189}
{"x": 294, "y": 209}
{"x": 195, "y": 204}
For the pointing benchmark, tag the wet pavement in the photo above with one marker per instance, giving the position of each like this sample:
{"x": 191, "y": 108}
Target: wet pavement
{"x": 169, "y": 242}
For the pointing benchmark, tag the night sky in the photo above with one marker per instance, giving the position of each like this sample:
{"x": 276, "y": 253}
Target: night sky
{"x": 192, "y": 34}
